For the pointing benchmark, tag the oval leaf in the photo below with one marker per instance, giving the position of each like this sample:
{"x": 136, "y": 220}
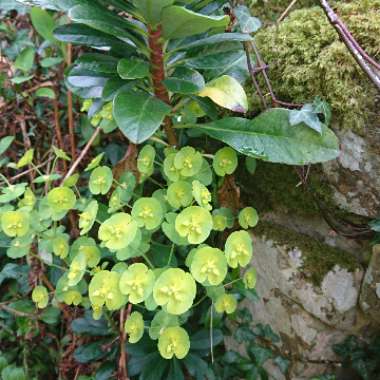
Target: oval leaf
{"x": 228, "y": 93}
{"x": 270, "y": 137}
{"x": 185, "y": 81}
{"x": 132, "y": 68}
{"x": 138, "y": 114}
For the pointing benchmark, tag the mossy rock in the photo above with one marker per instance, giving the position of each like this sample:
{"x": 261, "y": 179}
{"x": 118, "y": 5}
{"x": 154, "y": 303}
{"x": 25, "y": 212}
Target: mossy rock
{"x": 307, "y": 59}
{"x": 318, "y": 258}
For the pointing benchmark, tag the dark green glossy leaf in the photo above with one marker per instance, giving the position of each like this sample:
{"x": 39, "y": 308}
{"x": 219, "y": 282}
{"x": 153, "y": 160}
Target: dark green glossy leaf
{"x": 201, "y": 339}
{"x": 138, "y": 114}
{"x": 99, "y": 63}
{"x": 246, "y": 22}
{"x": 50, "y": 315}
{"x": 151, "y": 9}
{"x": 132, "y": 68}
{"x": 87, "y": 325}
{"x": 214, "y": 39}
{"x": 270, "y": 137}
{"x": 179, "y": 22}
{"x": 80, "y": 34}
{"x": 90, "y": 352}
{"x": 175, "y": 371}
{"x": 185, "y": 81}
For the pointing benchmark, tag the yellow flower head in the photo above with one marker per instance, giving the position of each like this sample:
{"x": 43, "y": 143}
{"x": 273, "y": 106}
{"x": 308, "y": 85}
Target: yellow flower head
{"x": 188, "y": 161}
{"x": 134, "y": 327}
{"x": 250, "y": 278}
{"x": 145, "y": 160}
{"x": 194, "y": 223}
{"x": 147, "y": 212}
{"x": 174, "y": 341}
{"x": 40, "y": 296}
{"x": 137, "y": 282}
{"x": 15, "y": 223}
{"x": 201, "y": 195}
{"x": 179, "y": 194}
{"x": 101, "y": 180}
{"x": 209, "y": 266}
{"x": 175, "y": 289}
{"x": 225, "y": 161}
{"x": 248, "y": 217}
{"x": 238, "y": 249}
{"x": 226, "y": 303}
{"x": 61, "y": 199}
{"x": 87, "y": 217}
{"x": 104, "y": 290}
{"x": 118, "y": 231}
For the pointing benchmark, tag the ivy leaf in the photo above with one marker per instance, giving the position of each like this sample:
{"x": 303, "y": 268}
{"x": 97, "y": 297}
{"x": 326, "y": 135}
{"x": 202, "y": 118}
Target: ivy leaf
{"x": 323, "y": 108}
{"x": 5, "y": 143}
{"x": 132, "y": 68}
{"x": 185, "y": 81}
{"x": 138, "y": 114}
{"x": 306, "y": 115}
{"x": 270, "y": 137}
{"x": 226, "y": 92}
{"x": 179, "y": 22}
{"x": 246, "y": 22}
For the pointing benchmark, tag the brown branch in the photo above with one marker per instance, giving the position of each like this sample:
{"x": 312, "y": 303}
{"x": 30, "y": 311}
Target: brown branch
{"x": 286, "y": 11}
{"x": 70, "y": 114}
{"x": 360, "y": 56}
{"x": 123, "y": 359}
{"x": 82, "y": 154}
{"x": 158, "y": 75}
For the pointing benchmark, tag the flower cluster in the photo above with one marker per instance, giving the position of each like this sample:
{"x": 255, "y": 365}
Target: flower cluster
{"x": 162, "y": 250}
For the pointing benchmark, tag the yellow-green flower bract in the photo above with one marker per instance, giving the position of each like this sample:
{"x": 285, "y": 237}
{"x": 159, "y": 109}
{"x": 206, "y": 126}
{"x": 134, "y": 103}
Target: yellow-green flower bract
{"x": 40, "y": 296}
{"x": 160, "y": 321}
{"x": 147, "y": 212}
{"x": 194, "y": 223}
{"x": 77, "y": 269}
{"x": 137, "y": 283}
{"x": 188, "y": 161}
{"x": 70, "y": 295}
{"x": 201, "y": 195}
{"x": 104, "y": 290}
{"x": 87, "y": 217}
{"x": 226, "y": 303}
{"x": 61, "y": 199}
{"x": 61, "y": 246}
{"x": 248, "y": 217}
{"x": 118, "y": 231}
{"x": 88, "y": 247}
{"x": 238, "y": 249}
{"x": 175, "y": 290}
{"x": 209, "y": 266}
{"x": 145, "y": 160}
{"x": 170, "y": 170}
{"x": 134, "y": 327}
{"x": 101, "y": 180}
{"x": 15, "y": 223}
{"x": 225, "y": 161}
{"x": 249, "y": 278}
{"x": 219, "y": 222}
{"x": 28, "y": 200}
{"x": 179, "y": 194}
{"x": 174, "y": 341}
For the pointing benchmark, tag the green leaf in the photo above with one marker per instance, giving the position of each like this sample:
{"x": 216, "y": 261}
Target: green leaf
{"x": 270, "y": 137}
{"x": 90, "y": 352}
{"x": 306, "y": 115}
{"x": 80, "y": 34}
{"x": 21, "y": 79}
{"x": 98, "y": 63}
{"x": 246, "y": 22}
{"x": 226, "y": 92}
{"x": 45, "y": 92}
{"x": 100, "y": 18}
{"x": 5, "y": 143}
{"x": 43, "y": 23}
{"x": 151, "y": 9}
{"x": 214, "y": 39}
{"x": 201, "y": 339}
{"x": 132, "y": 68}
{"x": 25, "y": 59}
{"x": 50, "y": 315}
{"x": 87, "y": 325}
{"x": 138, "y": 114}
{"x": 175, "y": 371}
{"x": 185, "y": 81}
{"x": 50, "y": 61}
{"x": 179, "y": 22}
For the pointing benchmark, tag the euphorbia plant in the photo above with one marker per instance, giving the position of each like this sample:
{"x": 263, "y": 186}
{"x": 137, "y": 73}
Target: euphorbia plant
{"x": 155, "y": 241}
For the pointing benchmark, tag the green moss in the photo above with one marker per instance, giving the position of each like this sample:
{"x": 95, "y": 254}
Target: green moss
{"x": 318, "y": 258}
{"x": 307, "y": 59}
{"x": 276, "y": 187}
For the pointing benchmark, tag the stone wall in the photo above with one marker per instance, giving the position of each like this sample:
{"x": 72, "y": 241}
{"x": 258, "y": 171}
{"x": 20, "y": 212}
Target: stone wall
{"x": 318, "y": 275}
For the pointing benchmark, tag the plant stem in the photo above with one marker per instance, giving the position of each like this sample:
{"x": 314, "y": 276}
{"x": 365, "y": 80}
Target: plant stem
{"x": 158, "y": 75}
